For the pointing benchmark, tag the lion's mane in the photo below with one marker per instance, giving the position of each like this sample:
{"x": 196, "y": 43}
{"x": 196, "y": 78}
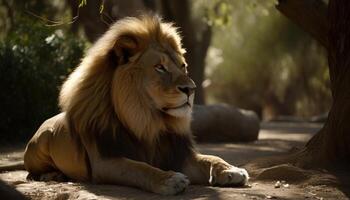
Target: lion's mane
{"x": 92, "y": 102}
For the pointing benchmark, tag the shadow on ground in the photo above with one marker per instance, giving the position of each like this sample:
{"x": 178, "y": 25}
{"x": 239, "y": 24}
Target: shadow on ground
{"x": 274, "y": 139}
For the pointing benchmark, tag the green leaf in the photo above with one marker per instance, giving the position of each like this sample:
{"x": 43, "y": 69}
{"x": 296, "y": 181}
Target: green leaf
{"x": 82, "y": 3}
{"x": 102, "y": 6}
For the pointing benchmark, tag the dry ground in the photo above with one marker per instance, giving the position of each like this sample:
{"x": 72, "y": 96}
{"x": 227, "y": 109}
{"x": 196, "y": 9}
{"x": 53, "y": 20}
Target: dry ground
{"x": 274, "y": 139}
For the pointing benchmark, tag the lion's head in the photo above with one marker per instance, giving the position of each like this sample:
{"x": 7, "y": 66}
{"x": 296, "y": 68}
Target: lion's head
{"x": 135, "y": 74}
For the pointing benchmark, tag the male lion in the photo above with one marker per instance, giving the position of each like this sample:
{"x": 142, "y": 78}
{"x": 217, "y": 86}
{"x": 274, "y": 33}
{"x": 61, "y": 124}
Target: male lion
{"x": 126, "y": 117}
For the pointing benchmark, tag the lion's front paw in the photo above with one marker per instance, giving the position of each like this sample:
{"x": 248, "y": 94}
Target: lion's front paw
{"x": 174, "y": 184}
{"x": 223, "y": 175}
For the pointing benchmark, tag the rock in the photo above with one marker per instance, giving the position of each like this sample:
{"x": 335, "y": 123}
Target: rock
{"x": 278, "y": 184}
{"x": 224, "y": 123}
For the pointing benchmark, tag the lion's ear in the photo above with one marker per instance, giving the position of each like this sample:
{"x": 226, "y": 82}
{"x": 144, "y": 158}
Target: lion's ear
{"x": 124, "y": 48}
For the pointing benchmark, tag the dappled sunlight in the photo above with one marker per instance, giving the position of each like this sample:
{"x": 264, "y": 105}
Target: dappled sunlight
{"x": 140, "y": 88}
{"x": 274, "y": 139}
{"x": 295, "y": 137}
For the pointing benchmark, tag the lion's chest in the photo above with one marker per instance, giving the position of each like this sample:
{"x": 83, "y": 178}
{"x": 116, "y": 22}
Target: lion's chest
{"x": 169, "y": 152}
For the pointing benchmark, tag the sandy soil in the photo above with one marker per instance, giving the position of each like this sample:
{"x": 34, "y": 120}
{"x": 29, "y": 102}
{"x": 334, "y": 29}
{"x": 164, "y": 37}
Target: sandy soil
{"x": 274, "y": 139}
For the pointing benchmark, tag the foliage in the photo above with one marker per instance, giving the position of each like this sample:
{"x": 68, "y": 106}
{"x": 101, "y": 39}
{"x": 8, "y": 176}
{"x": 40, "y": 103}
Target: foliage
{"x": 215, "y": 13}
{"x": 83, "y": 3}
{"x": 265, "y": 63}
{"x": 34, "y": 60}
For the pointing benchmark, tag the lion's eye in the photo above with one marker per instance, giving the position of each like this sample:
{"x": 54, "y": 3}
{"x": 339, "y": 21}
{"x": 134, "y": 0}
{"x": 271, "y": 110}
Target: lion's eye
{"x": 160, "y": 68}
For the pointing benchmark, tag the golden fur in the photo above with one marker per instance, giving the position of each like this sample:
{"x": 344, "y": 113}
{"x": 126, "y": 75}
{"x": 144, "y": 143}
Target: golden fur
{"x": 90, "y": 99}
{"x": 126, "y": 110}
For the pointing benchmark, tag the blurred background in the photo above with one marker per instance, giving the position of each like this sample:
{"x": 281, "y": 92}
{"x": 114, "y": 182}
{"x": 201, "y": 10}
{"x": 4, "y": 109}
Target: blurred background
{"x": 242, "y": 53}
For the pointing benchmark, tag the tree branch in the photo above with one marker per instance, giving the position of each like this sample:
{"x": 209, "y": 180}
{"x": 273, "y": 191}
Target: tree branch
{"x": 310, "y": 15}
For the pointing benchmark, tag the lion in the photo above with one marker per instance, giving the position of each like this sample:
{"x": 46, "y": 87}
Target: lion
{"x": 126, "y": 113}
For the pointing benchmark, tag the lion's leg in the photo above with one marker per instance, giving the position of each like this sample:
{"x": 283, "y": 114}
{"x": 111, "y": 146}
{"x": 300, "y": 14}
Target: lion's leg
{"x": 128, "y": 172}
{"x": 206, "y": 169}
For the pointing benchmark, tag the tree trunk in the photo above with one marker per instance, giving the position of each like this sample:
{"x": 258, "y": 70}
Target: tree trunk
{"x": 89, "y": 19}
{"x": 95, "y": 23}
{"x": 332, "y": 143}
{"x": 310, "y": 15}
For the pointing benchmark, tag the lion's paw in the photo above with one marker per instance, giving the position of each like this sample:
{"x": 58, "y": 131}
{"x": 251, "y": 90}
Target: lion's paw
{"x": 174, "y": 184}
{"x": 228, "y": 176}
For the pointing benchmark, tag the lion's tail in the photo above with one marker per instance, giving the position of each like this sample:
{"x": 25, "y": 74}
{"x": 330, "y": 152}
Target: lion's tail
{"x": 12, "y": 167}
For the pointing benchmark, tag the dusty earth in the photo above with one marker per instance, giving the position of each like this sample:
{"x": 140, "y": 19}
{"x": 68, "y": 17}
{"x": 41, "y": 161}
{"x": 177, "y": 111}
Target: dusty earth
{"x": 274, "y": 139}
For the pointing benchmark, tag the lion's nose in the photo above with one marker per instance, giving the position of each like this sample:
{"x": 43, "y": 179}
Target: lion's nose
{"x": 188, "y": 90}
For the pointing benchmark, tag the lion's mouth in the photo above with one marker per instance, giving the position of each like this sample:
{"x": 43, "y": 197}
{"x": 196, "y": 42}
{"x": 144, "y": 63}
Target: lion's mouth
{"x": 177, "y": 107}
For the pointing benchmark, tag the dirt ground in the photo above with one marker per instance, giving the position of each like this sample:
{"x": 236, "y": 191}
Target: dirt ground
{"x": 274, "y": 139}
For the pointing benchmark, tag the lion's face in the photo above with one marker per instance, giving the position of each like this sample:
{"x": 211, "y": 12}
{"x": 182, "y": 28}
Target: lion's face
{"x": 167, "y": 82}
{"x": 164, "y": 79}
